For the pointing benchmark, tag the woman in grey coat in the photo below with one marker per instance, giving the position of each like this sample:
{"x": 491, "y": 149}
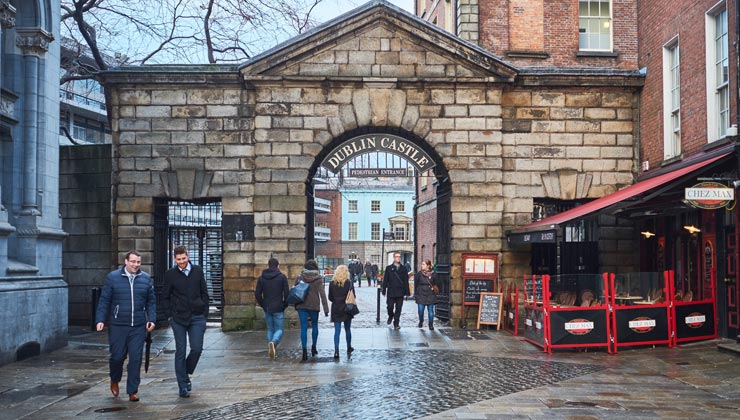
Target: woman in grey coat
{"x": 424, "y": 282}
{"x": 309, "y": 308}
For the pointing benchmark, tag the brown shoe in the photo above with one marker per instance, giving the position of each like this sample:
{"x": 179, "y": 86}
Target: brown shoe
{"x": 133, "y": 397}
{"x": 114, "y": 388}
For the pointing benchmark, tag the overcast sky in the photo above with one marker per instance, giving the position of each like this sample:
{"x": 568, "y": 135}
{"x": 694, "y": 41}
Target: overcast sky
{"x": 329, "y": 9}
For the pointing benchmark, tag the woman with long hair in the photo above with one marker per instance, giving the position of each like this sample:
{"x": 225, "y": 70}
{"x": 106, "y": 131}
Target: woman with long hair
{"x": 309, "y": 308}
{"x": 424, "y": 282}
{"x": 339, "y": 288}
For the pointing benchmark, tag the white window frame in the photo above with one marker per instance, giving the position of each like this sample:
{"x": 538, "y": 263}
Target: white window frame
{"x": 372, "y": 206}
{"x": 402, "y": 206}
{"x": 352, "y": 236}
{"x": 715, "y": 90}
{"x": 352, "y": 206}
{"x": 671, "y": 99}
{"x": 375, "y": 231}
{"x": 599, "y": 17}
{"x": 399, "y": 230}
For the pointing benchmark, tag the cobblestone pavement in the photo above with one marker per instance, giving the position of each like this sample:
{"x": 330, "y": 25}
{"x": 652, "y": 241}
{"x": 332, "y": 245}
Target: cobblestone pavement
{"x": 411, "y": 373}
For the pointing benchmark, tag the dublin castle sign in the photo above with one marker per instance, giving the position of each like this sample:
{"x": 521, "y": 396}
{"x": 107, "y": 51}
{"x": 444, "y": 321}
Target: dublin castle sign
{"x": 385, "y": 143}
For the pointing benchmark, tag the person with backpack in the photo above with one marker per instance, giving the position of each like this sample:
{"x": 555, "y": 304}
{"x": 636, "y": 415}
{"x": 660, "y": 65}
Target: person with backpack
{"x": 309, "y": 308}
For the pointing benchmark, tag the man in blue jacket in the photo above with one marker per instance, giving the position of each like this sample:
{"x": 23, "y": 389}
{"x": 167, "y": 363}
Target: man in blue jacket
{"x": 128, "y": 297}
{"x": 272, "y": 295}
{"x": 185, "y": 303}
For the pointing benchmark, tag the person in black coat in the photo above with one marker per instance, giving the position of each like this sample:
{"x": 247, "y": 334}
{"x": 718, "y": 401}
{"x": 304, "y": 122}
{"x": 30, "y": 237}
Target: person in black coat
{"x": 395, "y": 287}
{"x": 375, "y": 274}
{"x": 272, "y": 294}
{"x": 424, "y": 282}
{"x": 339, "y": 288}
{"x": 368, "y": 272}
{"x": 185, "y": 303}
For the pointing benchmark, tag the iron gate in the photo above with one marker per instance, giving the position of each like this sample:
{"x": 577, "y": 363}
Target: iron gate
{"x": 197, "y": 226}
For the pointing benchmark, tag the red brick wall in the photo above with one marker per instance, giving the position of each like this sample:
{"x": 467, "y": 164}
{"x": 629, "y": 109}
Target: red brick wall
{"x": 560, "y": 32}
{"x": 425, "y": 7}
{"x": 332, "y": 248}
{"x": 526, "y": 25}
{"x": 657, "y": 26}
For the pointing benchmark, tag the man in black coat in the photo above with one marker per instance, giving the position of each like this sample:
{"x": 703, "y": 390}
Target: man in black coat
{"x": 185, "y": 303}
{"x": 352, "y": 267}
{"x": 395, "y": 287}
{"x": 272, "y": 295}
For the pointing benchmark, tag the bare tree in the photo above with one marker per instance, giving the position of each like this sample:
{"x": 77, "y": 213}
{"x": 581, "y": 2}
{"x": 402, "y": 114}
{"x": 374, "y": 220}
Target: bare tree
{"x": 99, "y": 34}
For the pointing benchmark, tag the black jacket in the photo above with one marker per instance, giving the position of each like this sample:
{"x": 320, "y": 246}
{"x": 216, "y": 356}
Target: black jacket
{"x": 184, "y": 296}
{"x": 338, "y": 297}
{"x": 272, "y": 291}
{"x": 396, "y": 281}
{"x": 423, "y": 289}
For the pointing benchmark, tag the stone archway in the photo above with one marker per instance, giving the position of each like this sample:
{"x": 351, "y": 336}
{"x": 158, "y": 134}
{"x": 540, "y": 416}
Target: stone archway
{"x": 419, "y": 154}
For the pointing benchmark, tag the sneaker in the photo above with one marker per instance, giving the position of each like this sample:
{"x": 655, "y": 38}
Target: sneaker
{"x": 184, "y": 393}
{"x": 271, "y": 350}
{"x": 189, "y": 386}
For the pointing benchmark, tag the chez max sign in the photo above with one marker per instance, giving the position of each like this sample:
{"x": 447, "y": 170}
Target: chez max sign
{"x": 709, "y": 195}
{"x": 369, "y": 143}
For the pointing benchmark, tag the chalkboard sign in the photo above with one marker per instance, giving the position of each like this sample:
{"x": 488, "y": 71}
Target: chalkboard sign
{"x": 534, "y": 289}
{"x": 489, "y": 311}
{"x": 473, "y": 289}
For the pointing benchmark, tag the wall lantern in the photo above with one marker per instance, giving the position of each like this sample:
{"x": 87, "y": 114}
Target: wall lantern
{"x": 647, "y": 234}
{"x": 692, "y": 229}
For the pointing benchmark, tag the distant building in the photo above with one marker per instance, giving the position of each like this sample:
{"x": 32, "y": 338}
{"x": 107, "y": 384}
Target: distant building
{"x": 367, "y": 212}
{"x": 33, "y": 293}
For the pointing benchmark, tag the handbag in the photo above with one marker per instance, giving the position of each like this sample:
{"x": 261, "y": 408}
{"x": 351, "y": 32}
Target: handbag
{"x": 298, "y": 293}
{"x": 350, "y": 304}
{"x": 435, "y": 288}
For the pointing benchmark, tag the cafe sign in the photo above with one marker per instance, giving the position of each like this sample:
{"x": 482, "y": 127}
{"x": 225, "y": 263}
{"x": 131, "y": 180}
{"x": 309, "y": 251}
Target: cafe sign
{"x": 710, "y": 195}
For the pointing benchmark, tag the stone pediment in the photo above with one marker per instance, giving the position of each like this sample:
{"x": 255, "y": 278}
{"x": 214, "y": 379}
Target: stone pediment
{"x": 378, "y": 40}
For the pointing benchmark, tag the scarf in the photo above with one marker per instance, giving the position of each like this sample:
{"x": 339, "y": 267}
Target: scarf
{"x": 427, "y": 274}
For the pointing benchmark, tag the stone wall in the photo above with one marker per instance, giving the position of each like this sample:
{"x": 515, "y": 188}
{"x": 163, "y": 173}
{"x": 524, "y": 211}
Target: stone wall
{"x": 85, "y": 206}
{"x": 252, "y": 137}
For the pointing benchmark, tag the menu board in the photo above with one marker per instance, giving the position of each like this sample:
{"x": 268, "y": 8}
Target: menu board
{"x": 489, "y": 309}
{"x": 534, "y": 289}
{"x": 480, "y": 265}
{"x": 473, "y": 290}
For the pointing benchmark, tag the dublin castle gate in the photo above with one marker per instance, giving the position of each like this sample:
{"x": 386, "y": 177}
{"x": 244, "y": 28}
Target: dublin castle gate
{"x": 252, "y": 136}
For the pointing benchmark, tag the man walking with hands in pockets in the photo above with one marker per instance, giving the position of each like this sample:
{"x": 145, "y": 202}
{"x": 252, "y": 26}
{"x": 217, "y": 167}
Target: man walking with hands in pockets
{"x": 128, "y": 297}
{"x": 185, "y": 303}
{"x": 395, "y": 286}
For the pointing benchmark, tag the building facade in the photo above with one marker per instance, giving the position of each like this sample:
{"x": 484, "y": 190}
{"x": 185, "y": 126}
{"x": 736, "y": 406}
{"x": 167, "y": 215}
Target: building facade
{"x": 368, "y": 213}
{"x": 33, "y": 292}
{"x": 496, "y": 136}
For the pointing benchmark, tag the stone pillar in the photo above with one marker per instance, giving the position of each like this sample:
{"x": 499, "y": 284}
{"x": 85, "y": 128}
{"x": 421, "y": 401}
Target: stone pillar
{"x": 7, "y": 21}
{"x": 33, "y": 43}
{"x": 467, "y": 20}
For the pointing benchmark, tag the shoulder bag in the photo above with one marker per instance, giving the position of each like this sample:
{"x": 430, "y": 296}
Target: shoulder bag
{"x": 350, "y": 304}
{"x": 298, "y": 293}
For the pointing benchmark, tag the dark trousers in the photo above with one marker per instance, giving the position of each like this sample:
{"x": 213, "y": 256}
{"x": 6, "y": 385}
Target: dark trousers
{"x": 184, "y": 367}
{"x": 125, "y": 340}
{"x": 394, "y": 309}
{"x": 369, "y": 278}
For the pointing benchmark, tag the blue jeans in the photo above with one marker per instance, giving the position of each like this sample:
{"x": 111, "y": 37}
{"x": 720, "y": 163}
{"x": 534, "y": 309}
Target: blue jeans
{"x": 123, "y": 340}
{"x": 275, "y": 322}
{"x": 430, "y": 312}
{"x": 303, "y": 315}
{"x": 184, "y": 367}
{"x": 347, "y": 333}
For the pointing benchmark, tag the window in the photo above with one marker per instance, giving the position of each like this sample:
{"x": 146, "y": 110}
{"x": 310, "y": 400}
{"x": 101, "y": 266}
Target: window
{"x": 375, "y": 231}
{"x": 353, "y": 206}
{"x": 375, "y": 258}
{"x": 352, "y": 231}
{"x": 594, "y": 25}
{"x": 375, "y": 206}
{"x": 400, "y": 233}
{"x": 400, "y": 206}
{"x": 423, "y": 252}
{"x": 671, "y": 101}
{"x": 322, "y": 225}
{"x": 718, "y": 77}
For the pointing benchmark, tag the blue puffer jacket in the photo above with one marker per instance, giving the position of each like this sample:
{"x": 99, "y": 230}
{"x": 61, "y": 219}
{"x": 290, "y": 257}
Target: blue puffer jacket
{"x": 128, "y": 303}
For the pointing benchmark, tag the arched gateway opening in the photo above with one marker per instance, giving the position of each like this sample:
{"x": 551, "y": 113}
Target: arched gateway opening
{"x": 360, "y": 154}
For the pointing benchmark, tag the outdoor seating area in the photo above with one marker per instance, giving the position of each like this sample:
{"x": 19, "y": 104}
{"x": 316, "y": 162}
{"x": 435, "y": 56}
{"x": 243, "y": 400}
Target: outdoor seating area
{"x": 612, "y": 311}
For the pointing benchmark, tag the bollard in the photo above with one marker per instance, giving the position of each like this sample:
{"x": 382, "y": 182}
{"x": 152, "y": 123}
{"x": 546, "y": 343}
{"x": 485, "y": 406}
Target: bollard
{"x": 377, "y": 309}
{"x": 94, "y": 306}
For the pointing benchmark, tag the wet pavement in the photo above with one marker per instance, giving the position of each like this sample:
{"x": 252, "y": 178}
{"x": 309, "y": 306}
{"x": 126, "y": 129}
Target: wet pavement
{"x": 412, "y": 373}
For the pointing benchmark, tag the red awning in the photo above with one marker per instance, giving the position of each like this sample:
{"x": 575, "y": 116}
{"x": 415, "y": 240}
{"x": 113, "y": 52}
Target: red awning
{"x": 616, "y": 197}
